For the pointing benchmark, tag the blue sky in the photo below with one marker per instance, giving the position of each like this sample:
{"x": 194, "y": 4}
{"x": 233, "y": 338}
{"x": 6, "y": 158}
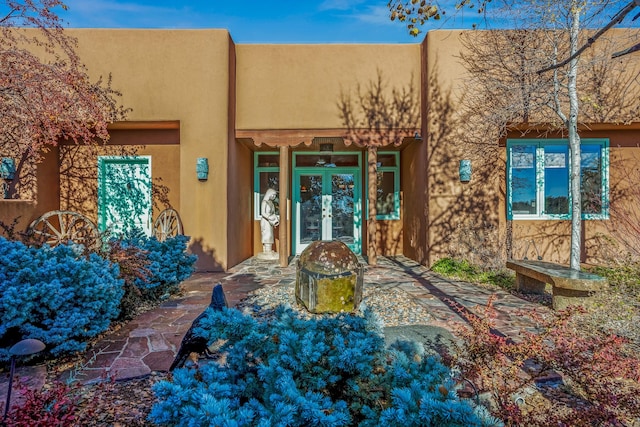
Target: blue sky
{"x": 250, "y": 21}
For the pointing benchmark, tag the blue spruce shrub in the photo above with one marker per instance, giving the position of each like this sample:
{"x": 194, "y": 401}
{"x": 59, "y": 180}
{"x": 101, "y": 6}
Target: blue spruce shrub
{"x": 56, "y": 295}
{"x": 169, "y": 261}
{"x": 326, "y": 371}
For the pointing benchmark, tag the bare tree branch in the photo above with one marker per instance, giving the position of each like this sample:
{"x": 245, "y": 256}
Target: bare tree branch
{"x": 626, "y": 51}
{"x": 614, "y": 21}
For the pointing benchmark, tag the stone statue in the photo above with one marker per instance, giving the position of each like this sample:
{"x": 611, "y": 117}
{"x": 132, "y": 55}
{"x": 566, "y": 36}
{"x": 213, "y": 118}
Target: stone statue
{"x": 268, "y": 221}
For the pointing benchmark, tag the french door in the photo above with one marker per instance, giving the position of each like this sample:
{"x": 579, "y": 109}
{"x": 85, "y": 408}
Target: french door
{"x": 327, "y": 206}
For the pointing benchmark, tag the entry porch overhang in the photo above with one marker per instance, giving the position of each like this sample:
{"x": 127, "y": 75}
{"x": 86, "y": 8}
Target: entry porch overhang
{"x": 287, "y": 140}
{"x": 311, "y": 139}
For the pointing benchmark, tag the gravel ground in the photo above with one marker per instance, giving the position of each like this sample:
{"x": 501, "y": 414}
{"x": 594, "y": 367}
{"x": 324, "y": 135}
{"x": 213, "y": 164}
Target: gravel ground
{"x": 392, "y": 305}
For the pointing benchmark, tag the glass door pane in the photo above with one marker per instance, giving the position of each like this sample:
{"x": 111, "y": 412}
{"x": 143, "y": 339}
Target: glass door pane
{"x": 342, "y": 207}
{"x": 310, "y": 221}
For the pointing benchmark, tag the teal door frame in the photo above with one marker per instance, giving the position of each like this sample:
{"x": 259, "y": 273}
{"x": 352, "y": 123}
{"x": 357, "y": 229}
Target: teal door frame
{"x": 327, "y": 227}
{"x": 119, "y": 200}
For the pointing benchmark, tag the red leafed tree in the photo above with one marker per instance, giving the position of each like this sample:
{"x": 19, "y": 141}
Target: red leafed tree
{"x": 46, "y": 95}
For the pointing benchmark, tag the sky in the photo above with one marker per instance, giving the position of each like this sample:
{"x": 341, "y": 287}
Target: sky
{"x": 252, "y": 21}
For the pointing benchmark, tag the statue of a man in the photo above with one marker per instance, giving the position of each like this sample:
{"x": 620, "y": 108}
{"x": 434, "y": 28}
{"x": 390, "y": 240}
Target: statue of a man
{"x": 268, "y": 220}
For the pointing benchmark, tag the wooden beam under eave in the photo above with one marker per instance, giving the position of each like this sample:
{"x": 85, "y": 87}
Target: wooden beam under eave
{"x": 145, "y": 125}
{"x": 295, "y": 134}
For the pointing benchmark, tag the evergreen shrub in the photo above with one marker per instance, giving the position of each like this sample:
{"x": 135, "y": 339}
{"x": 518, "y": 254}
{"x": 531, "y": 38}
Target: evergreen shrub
{"x": 169, "y": 263}
{"x": 324, "y": 371}
{"x": 57, "y": 295}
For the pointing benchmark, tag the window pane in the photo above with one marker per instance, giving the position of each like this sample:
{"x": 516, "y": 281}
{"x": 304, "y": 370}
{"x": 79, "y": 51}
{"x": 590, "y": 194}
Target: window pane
{"x": 326, "y": 160}
{"x": 556, "y": 179}
{"x": 385, "y": 204}
{"x": 523, "y": 179}
{"x": 386, "y": 159}
{"x": 266, "y": 160}
{"x": 270, "y": 180}
{"x": 591, "y": 179}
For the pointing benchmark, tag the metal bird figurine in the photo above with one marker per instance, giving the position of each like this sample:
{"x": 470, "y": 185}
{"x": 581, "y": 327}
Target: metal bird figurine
{"x": 192, "y": 343}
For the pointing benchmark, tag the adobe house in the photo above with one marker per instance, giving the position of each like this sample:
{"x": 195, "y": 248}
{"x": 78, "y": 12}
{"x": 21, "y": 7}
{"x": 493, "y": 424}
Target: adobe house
{"x": 315, "y": 122}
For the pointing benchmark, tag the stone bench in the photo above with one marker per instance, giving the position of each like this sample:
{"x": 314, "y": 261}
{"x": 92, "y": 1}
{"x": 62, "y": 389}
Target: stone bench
{"x": 570, "y": 287}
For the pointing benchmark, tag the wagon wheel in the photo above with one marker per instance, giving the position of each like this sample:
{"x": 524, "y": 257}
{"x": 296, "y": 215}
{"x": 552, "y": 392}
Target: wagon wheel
{"x": 168, "y": 224}
{"x": 57, "y": 227}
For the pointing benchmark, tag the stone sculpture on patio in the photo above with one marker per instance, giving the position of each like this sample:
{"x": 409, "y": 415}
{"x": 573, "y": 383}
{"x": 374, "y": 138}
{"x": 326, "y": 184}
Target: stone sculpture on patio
{"x": 268, "y": 221}
{"x": 329, "y": 278}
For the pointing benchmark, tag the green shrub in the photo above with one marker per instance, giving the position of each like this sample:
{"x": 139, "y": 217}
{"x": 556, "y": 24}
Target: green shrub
{"x": 326, "y": 371}
{"x": 463, "y": 270}
{"x": 624, "y": 278}
{"x": 450, "y": 266}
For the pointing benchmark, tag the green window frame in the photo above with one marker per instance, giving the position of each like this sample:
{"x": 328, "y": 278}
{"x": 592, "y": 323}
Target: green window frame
{"x": 388, "y": 184}
{"x": 538, "y": 185}
{"x": 266, "y": 165}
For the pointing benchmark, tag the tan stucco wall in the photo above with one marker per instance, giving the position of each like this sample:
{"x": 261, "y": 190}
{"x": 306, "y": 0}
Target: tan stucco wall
{"x": 454, "y": 209}
{"x": 299, "y": 86}
{"x": 178, "y": 75}
{"x": 24, "y": 211}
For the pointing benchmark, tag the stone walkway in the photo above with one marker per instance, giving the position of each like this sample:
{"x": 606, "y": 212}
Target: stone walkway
{"x": 150, "y": 342}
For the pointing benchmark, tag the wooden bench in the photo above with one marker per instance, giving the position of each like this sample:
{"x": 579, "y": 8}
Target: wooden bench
{"x": 570, "y": 287}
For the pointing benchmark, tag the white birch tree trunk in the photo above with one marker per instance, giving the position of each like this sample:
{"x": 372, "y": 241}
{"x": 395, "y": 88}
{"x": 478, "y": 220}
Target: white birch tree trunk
{"x": 574, "y": 140}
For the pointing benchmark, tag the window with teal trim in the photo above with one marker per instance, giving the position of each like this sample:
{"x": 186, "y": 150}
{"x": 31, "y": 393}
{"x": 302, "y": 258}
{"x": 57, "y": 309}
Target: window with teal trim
{"x": 388, "y": 183}
{"x": 538, "y": 184}
{"x": 266, "y": 175}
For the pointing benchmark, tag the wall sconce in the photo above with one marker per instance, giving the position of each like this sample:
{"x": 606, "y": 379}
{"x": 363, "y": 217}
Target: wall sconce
{"x": 202, "y": 168}
{"x": 465, "y": 170}
{"x": 326, "y": 148}
{"x": 7, "y": 168}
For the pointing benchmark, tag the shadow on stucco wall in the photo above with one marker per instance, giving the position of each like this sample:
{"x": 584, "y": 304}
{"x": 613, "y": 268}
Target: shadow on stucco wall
{"x": 207, "y": 259}
{"x": 617, "y": 240}
{"x": 380, "y": 118}
{"x": 463, "y": 217}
